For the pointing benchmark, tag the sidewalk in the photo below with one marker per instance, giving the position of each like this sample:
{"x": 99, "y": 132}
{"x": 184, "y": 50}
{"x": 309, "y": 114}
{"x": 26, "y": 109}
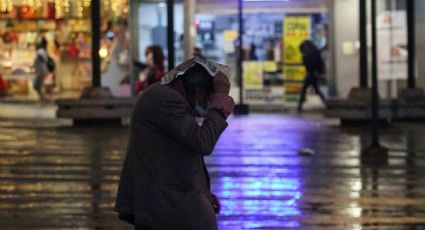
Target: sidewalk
{"x": 33, "y": 98}
{"x": 30, "y": 115}
{"x": 27, "y": 110}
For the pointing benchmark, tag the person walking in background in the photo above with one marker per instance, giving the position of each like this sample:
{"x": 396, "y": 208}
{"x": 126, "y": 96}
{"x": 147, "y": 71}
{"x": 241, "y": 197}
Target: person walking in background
{"x": 164, "y": 182}
{"x": 44, "y": 71}
{"x": 315, "y": 66}
{"x": 4, "y": 86}
{"x": 41, "y": 69}
{"x": 253, "y": 52}
{"x": 155, "y": 69}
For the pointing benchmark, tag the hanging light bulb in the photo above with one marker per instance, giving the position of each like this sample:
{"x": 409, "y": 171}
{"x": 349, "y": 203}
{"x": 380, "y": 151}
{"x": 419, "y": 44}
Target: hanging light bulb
{"x": 86, "y": 3}
{"x": 103, "y": 52}
{"x": 80, "y": 8}
{"x": 59, "y": 9}
{"x": 9, "y": 5}
{"x": 3, "y": 6}
{"x": 66, "y": 6}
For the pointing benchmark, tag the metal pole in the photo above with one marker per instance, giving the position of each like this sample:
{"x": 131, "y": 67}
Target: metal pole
{"x": 95, "y": 19}
{"x": 363, "y": 45}
{"x": 240, "y": 66}
{"x": 170, "y": 33}
{"x": 410, "y": 5}
{"x": 241, "y": 108}
{"x": 189, "y": 28}
{"x": 375, "y": 110}
{"x": 134, "y": 43}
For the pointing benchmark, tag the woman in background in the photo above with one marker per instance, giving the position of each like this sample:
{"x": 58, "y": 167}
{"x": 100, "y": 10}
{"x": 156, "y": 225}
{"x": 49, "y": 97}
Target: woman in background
{"x": 155, "y": 69}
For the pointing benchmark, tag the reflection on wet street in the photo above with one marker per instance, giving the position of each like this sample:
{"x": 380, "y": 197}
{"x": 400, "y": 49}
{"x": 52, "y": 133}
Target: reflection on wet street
{"x": 66, "y": 178}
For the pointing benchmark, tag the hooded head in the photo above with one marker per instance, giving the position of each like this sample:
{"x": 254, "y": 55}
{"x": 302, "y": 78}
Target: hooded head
{"x": 197, "y": 77}
{"x": 198, "y": 85}
{"x": 308, "y": 48}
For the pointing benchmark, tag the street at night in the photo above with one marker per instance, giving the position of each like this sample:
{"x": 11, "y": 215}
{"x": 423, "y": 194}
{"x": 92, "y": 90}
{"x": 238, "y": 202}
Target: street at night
{"x": 63, "y": 177}
{"x": 212, "y": 114}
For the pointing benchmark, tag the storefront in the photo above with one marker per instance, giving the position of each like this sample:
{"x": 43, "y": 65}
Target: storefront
{"x": 66, "y": 26}
{"x": 273, "y": 71}
{"x": 273, "y": 31}
{"x": 391, "y": 21}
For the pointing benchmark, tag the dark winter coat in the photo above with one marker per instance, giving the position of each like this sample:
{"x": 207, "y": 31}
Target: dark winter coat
{"x": 312, "y": 58}
{"x": 163, "y": 183}
{"x": 313, "y": 63}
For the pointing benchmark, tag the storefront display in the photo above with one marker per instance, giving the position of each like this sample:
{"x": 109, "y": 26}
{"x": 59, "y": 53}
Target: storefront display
{"x": 273, "y": 70}
{"x": 262, "y": 82}
{"x": 65, "y": 25}
{"x": 297, "y": 29}
{"x": 392, "y": 49}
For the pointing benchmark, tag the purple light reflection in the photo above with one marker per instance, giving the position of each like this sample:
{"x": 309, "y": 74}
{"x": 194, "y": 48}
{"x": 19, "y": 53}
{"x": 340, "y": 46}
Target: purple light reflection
{"x": 256, "y": 173}
{"x": 254, "y": 224}
{"x": 259, "y": 196}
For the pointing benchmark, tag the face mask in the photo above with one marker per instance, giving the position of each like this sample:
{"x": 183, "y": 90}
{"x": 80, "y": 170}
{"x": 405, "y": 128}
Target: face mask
{"x": 199, "y": 120}
{"x": 200, "y": 112}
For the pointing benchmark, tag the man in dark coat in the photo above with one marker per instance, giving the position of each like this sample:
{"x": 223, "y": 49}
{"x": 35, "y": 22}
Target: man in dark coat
{"x": 164, "y": 183}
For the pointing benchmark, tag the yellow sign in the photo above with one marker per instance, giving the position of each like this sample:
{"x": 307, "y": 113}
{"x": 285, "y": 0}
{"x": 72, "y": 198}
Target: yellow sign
{"x": 293, "y": 88}
{"x": 253, "y": 74}
{"x": 296, "y": 30}
{"x": 270, "y": 66}
{"x": 230, "y": 35}
{"x": 294, "y": 73}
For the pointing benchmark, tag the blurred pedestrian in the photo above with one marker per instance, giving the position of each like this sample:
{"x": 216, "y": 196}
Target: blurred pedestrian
{"x": 41, "y": 68}
{"x": 72, "y": 49}
{"x": 154, "y": 70}
{"x": 315, "y": 66}
{"x": 253, "y": 52}
{"x": 164, "y": 182}
{"x": 4, "y": 86}
{"x": 269, "y": 50}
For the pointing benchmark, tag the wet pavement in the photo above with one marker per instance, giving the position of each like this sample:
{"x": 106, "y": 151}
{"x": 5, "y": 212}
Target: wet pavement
{"x": 66, "y": 177}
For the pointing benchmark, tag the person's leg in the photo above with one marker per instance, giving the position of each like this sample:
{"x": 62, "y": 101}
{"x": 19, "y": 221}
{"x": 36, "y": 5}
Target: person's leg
{"x": 38, "y": 87}
{"x": 41, "y": 95}
{"x": 303, "y": 92}
{"x": 318, "y": 91}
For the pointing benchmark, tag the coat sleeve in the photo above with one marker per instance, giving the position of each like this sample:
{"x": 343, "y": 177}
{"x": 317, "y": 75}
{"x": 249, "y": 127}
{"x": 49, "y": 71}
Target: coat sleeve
{"x": 175, "y": 116}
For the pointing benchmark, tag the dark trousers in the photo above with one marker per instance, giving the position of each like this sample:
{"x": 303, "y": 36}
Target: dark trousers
{"x": 312, "y": 79}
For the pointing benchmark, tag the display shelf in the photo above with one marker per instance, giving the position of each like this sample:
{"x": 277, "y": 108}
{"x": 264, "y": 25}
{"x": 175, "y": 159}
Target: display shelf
{"x": 35, "y": 31}
{"x": 42, "y": 19}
